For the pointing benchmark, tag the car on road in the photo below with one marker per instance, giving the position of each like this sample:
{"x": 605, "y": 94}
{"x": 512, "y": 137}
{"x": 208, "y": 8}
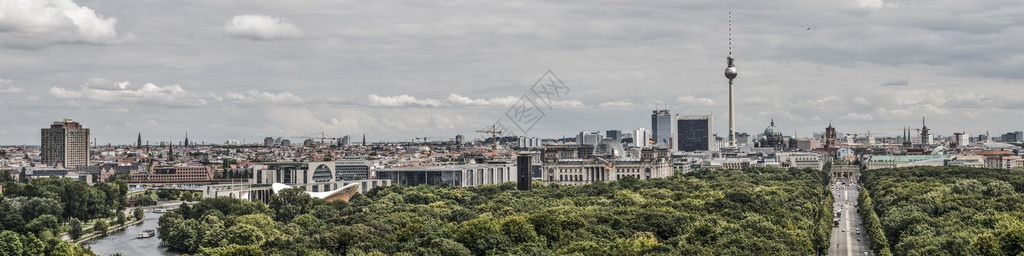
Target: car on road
{"x": 858, "y": 239}
{"x": 844, "y": 230}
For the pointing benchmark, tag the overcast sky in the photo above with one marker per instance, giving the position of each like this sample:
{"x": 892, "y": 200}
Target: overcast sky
{"x": 395, "y": 70}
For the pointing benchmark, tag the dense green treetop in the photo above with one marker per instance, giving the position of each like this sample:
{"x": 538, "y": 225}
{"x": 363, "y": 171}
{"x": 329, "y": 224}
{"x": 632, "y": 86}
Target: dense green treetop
{"x": 949, "y": 210}
{"x": 722, "y": 212}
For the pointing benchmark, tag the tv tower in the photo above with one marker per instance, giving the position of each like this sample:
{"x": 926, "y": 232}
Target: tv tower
{"x": 730, "y": 73}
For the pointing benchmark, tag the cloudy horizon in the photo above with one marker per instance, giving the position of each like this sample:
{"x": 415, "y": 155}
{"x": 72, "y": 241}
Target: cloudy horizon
{"x": 395, "y": 70}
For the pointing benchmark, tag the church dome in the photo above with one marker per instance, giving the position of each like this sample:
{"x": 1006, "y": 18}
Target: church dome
{"x": 608, "y": 148}
{"x": 772, "y": 131}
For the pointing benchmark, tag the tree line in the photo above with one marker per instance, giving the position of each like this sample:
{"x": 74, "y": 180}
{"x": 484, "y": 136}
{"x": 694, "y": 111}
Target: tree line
{"x": 947, "y": 210}
{"x": 708, "y": 212}
{"x": 33, "y": 213}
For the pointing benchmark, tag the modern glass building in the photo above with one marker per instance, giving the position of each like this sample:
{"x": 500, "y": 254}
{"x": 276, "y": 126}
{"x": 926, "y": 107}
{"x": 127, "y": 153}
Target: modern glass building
{"x": 452, "y": 175}
{"x": 661, "y": 125}
{"x": 694, "y": 133}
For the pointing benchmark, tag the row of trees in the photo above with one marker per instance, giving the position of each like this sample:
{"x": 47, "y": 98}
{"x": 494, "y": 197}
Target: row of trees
{"x": 872, "y": 225}
{"x": 948, "y": 210}
{"x": 720, "y": 212}
{"x": 64, "y": 197}
{"x": 32, "y": 213}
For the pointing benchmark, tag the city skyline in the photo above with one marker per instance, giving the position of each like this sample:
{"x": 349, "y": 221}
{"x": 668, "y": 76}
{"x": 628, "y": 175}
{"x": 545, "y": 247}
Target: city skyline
{"x": 394, "y": 71}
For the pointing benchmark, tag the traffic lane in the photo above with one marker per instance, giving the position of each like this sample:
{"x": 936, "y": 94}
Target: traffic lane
{"x": 845, "y": 201}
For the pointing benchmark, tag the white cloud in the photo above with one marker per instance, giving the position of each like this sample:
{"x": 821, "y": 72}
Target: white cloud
{"x": 257, "y": 96}
{"x": 861, "y": 101}
{"x": 694, "y": 101}
{"x": 401, "y": 101}
{"x": 37, "y": 23}
{"x": 616, "y": 104}
{"x": 262, "y": 27}
{"x": 7, "y": 88}
{"x": 824, "y": 102}
{"x": 150, "y": 94}
{"x": 857, "y": 116}
{"x": 467, "y": 101}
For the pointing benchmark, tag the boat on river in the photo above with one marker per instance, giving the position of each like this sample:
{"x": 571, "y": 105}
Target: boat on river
{"x": 147, "y": 233}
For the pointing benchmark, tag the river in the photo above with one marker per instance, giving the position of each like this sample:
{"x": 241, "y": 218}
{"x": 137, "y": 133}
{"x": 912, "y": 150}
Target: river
{"x": 126, "y": 242}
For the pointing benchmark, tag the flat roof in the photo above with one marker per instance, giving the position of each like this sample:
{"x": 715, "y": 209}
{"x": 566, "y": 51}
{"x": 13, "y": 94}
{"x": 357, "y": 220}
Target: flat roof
{"x": 457, "y": 167}
{"x": 907, "y": 158}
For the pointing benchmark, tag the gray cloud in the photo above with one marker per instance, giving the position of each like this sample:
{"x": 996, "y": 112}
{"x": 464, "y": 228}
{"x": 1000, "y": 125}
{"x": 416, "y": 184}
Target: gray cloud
{"x": 897, "y": 82}
{"x": 395, "y": 68}
{"x": 6, "y": 87}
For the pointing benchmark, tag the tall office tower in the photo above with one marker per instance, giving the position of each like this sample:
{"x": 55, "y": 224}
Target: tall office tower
{"x": 66, "y": 144}
{"x": 730, "y": 73}
{"x": 661, "y": 125}
{"x": 641, "y": 138}
{"x": 268, "y": 142}
{"x": 613, "y": 134}
{"x": 588, "y": 138}
{"x": 694, "y": 133}
{"x": 960, "y": 139}
{"x": 346, "y": 140}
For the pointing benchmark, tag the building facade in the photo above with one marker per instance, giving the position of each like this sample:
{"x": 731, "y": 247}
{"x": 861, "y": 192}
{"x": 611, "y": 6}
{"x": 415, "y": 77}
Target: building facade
{"x": 641, "y": 138}
{"x": 772, "y": 137}
{"x": 172, "y": 174}
{"x": 529, "y": 142}
{"x": 588, "y": 138}
{"x": 568, "y": 166}
{"x": 65, "y": 144}
{"x": 452, "y": 175}
{"x": 352, "y": 169}
{"x": 661, "y": 126}
{"x": 311, "y": 176}
{"x": 1017, "y": 136}
{"x": 694, "y": 133}
{"x": 613, "y": 134}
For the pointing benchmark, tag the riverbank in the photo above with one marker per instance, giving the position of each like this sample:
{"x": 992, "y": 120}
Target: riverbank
{"x": 126, "y": 241}
{"x": 97, "y": 234}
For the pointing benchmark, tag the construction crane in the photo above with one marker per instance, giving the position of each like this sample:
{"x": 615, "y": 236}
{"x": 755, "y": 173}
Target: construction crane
{"x": 319, "y": 150}
{"x": 494, "y": 135}
{"x": 425, "y": 139}
{"x": 322, "y": 137}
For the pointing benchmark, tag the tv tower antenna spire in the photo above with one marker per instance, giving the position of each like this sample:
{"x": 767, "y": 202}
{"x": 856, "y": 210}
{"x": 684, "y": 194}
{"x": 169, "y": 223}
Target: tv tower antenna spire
{"x": 730, "y": 34}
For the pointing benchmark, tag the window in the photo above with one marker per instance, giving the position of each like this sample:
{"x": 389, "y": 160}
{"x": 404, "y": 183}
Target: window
{"x": 322, "y": 174}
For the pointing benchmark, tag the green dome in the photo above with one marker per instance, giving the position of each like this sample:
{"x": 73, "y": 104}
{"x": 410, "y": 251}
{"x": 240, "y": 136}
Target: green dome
{"x": 772, "y": 131}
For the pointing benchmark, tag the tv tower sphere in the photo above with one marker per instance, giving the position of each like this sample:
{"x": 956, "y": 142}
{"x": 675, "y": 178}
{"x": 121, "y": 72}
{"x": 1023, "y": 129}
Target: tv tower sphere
{"x": 730, "y": 72}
